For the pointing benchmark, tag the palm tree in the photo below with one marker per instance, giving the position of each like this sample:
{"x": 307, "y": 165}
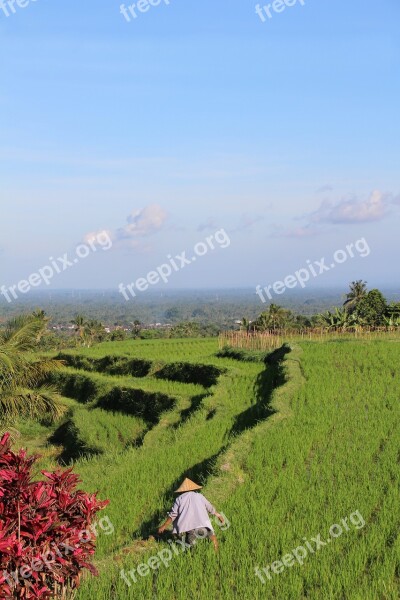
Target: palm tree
{"x": 245, "y": 324}
{"x": 93, "y": 331}
{"x": 275, "y": 318}
{"x": 358, "y": 290}
{"x": 80, "y": 323}
{"x": 23, "y": 375}
{"x": 40, "y": 314}
{"x": 136, "y": 327}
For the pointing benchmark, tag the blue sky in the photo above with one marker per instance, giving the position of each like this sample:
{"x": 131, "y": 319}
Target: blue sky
{"x": 193, "y": 117}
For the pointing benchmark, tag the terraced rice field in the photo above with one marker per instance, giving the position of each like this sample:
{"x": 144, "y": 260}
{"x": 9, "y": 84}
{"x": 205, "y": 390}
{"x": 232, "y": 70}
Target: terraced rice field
{"x": 285, "y": 449}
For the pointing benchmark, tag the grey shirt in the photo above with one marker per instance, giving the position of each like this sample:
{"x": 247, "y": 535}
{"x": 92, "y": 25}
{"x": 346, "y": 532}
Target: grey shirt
{"x": 190, "y": 511}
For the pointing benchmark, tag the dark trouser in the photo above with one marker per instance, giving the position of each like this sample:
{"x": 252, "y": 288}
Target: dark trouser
{"x": 202, "y": 533}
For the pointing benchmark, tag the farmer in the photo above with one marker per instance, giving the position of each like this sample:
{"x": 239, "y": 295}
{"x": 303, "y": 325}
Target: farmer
{"x": 189, "y": 515}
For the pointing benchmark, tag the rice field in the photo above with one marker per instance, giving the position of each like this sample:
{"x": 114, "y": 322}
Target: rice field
{"x": 285, "y": 448}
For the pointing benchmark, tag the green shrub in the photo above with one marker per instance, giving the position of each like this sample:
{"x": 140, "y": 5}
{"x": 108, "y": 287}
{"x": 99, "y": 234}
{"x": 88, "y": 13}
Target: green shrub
{"x": 132, "y": 366}
{"x": 147, "y": 405}
{"x": 75, "y": 385}
{"x": 239, "y": 354}
{"x": 205, "y": 375}
{"x": 112, "y": 364}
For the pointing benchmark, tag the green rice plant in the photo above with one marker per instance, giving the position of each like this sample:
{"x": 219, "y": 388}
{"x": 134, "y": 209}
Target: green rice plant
{"x": 199, "y": 350}
{"x": 104, "y": 431}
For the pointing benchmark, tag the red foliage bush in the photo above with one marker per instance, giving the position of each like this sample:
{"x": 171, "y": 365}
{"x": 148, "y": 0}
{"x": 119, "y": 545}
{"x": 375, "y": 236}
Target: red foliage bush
{"x": 46, "y": 538}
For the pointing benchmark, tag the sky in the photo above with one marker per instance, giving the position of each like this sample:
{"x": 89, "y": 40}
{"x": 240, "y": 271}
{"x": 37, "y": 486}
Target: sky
{"x": 146, "y": 135}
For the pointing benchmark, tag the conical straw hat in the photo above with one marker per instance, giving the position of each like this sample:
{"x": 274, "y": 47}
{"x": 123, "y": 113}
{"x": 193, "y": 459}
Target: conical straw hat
{"x": 188, "y": 486}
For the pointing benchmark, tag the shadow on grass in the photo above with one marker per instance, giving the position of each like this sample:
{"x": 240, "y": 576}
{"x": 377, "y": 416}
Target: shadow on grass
{"x": 67, "y": 437}
{"x": 266, "y": 383}
{"x": 72, "y": 448}
{"x": 186, "y": 413}
{"x": 205, "y": 375}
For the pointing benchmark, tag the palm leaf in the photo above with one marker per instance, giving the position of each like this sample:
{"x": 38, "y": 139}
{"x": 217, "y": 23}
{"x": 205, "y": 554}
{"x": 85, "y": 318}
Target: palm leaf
{"x": 43, "y": 403}
{"x": 23, "y": 374}
{"x": 22, "y": 333}
{"x": 14, "y": 433}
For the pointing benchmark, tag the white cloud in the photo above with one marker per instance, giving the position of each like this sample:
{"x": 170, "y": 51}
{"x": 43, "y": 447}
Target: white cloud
{"x": 349, "y": 211}
{"x": 374, "y": 208}
{"x": 143, "y": 222}
{"x": 94, "y": 235}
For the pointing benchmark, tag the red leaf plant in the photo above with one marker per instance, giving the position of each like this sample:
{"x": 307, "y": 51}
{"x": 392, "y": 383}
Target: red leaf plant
{"x": 46, "y": 538}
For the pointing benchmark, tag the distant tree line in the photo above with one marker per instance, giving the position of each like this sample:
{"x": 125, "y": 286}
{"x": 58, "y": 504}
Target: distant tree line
{"x": 361, "y": 308}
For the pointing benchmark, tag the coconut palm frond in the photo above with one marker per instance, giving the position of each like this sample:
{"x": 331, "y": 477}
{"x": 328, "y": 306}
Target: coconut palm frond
{"x": 38, "y": 371}
{"x": 13, "y": 367}
{"x": 23, "y": 373}
{"x": 358, "y": 290}
{"x": 43, "y": 403}
{"x": 14, "y": 433}
{"x": 7, "y": 364}
{"x": 22, "y": 333}
{"x": 21, "y": 369}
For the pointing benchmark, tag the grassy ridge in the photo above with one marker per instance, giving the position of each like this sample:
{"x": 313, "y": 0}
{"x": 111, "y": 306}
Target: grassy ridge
{"x": 199, "y": 350}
